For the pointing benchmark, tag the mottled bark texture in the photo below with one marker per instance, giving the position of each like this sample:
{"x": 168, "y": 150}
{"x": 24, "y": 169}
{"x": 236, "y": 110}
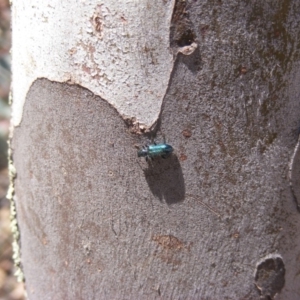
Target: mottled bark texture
{"x": 217, "y": 220}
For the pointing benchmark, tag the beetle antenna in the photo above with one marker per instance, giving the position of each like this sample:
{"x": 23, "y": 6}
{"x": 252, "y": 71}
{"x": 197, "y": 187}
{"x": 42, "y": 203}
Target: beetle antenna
{"x": 152, "y": 139}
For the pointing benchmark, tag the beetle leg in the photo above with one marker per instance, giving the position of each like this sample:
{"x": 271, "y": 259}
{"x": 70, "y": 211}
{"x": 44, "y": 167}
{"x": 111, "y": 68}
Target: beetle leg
{"x": 153, "y": 141}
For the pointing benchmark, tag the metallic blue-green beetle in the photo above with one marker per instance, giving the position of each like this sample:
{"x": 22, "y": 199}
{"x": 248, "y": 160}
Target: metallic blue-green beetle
{"x": 150, "y": 151}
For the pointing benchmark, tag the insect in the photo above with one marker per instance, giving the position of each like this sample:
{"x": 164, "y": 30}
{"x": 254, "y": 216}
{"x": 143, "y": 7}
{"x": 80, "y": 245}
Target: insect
{"x": 150, "y": 151}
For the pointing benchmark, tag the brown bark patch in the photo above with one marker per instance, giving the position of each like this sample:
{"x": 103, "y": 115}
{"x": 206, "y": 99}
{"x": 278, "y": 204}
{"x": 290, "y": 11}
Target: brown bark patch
{"x": 169, "y": 242}
{"x": 186, "y": 133}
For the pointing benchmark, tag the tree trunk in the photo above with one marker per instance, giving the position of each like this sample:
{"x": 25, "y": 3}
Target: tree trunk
{"x": 215, "y": 220}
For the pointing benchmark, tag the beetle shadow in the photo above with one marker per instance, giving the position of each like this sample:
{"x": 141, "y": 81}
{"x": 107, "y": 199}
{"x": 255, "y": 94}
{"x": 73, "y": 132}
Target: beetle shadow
{"x": 165, "y": 179}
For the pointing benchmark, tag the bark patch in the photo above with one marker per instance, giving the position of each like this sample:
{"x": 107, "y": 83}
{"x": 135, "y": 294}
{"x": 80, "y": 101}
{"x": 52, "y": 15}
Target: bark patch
{"x": 269, "y": 277}
{"x": 171, "y": 247}
{"x": 168, "y": 242}
{"x": 97, "y": 22}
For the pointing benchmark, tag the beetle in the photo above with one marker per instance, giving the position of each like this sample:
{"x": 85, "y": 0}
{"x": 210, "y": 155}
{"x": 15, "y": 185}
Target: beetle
{"x": 150, "y": 151}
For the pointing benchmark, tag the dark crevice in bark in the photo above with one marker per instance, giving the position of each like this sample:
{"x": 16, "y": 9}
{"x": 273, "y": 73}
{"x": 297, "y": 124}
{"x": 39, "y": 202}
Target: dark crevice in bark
{"x": 181, "y": 31}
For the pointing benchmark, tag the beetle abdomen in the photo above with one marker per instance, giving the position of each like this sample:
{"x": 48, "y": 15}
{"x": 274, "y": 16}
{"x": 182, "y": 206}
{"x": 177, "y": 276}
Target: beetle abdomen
{"x": 160, "y": 149}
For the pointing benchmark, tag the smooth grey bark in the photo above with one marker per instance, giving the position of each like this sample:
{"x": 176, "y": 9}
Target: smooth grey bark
{"x": 217, "y": 220}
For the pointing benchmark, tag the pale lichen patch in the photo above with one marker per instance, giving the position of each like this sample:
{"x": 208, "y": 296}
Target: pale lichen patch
{"x": 188, "y": 50}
